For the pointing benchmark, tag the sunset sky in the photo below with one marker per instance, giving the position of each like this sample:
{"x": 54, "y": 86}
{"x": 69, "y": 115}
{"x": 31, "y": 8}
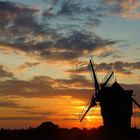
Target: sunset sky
{"x": 45, "y": 46}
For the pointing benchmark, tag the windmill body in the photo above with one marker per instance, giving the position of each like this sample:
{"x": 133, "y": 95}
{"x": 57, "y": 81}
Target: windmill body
{"x": 116, "y": 106}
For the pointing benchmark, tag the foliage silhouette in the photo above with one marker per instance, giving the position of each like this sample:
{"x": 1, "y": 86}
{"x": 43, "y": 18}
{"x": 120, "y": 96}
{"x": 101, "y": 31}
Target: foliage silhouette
{"x": 50, "y": 131}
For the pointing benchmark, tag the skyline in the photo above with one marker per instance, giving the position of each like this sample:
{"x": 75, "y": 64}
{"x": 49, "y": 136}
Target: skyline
{"x": 45, "y": 47}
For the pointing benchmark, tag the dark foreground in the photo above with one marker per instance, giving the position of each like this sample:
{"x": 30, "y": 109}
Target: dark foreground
{"x": 50, "y": 131}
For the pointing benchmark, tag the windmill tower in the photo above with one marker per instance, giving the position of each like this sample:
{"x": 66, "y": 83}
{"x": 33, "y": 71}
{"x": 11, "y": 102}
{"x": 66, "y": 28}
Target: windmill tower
{"x": 115, "y": 103}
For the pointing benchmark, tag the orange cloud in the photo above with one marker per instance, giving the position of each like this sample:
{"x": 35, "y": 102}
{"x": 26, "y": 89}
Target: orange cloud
{"x": 126, "y": 8}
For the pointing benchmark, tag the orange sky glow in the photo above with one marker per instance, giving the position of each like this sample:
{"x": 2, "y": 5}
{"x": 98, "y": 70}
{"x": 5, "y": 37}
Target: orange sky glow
{"x": 45, "y": 47}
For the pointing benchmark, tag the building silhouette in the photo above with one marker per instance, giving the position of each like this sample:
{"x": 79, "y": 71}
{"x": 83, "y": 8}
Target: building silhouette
{"x": 116, "y": 106}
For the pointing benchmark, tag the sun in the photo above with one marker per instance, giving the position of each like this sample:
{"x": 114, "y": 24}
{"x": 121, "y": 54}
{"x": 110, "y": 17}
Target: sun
{"x": 89, "y": 118}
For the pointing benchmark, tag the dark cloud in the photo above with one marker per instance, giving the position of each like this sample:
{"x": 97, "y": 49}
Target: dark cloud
{"x": 124, "y": 8}
{"x": 48, "y": 12}
{"x": 31, "y": 112}
{"x": 75, "y": 82}
{"x": 8, "y": 104}
{"x": 22, "y": 109}
{"x": 66, "y": 8}
{"x": 94, "y": 22}
{"x": 78, "y": 14}
{"x": 28, "y": 65}
{"x": 86, "y": 11}
{"x": 70, "y": 8}
{"x": 46, "y": 87}
{"x": 22, "y": 118}
{"x": 12, "y": 8}
{"x": 12, "y": 104}
{"x": 43, "y": 86}
{"x": 119, "y": 66}
{"x": 23, "y": 29}
{"x": 83, "y": 69}
{"x": 75, "y": 45}
{"x": 4, "y": 72}
{"x": 21, "y": 25}
{"x": 14, "y": 14}
{"x": 116, "y": 1}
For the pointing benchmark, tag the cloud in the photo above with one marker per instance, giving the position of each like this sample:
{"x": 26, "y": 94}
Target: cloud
{"x": 40, "y": 40}
{"x": 69, "y": 8}
{"x": 27, "y": 65}
{"x": 43, "y": 86}
{"x": 94, "y": 23}
{"x": 124, "y": 8}
{"x": 11, "y": 104}
{"x": 126, "y": 68}
{"x": 16, "y": 14}
{"x": 73, "y": 46}
{"x": 76, "y": 81}
{"x": 5, "y": 73}
{"x": 20, "y": 109}
{"x": 26, "y": 33}
{"x": 31, "y": 112}
{"x": 76, "y": 45}
{"x": 22, "y": 118}
{"x": 20, "y": 24}
{"x": 83, "y": 69}
{"x": 96, "y": 9}
{"x": 8, "y": 104}
{"x": 120, "y": 67}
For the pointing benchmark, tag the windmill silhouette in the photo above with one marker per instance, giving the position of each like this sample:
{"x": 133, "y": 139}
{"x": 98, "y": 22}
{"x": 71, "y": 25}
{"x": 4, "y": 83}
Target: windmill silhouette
{"x": 115, "y": 102}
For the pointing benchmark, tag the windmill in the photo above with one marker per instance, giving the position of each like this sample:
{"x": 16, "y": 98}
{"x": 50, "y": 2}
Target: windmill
{"x": 98, "y": 88}
{"x": 115, "y": 102}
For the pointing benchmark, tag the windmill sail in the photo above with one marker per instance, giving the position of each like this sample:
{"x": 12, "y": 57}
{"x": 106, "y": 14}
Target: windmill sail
{"x": 107, "y": 80}
{"x": 136, "y": 102}
{"x": 92, "y": 104}
{"x": 98, "y": 89}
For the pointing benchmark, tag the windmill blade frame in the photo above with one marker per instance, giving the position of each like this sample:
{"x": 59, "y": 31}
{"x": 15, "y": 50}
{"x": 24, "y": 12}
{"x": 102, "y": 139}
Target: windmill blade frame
{"x": 134, "y": 101}
{"x": 88, "y": 108}
{"x": 107, "y": 80}
{"x": 97, "y": 89}
{"x": 96, "y": 83}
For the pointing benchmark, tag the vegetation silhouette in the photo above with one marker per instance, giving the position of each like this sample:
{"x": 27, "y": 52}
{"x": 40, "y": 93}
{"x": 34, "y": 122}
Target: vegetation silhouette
{"x": 50, "y": 131}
